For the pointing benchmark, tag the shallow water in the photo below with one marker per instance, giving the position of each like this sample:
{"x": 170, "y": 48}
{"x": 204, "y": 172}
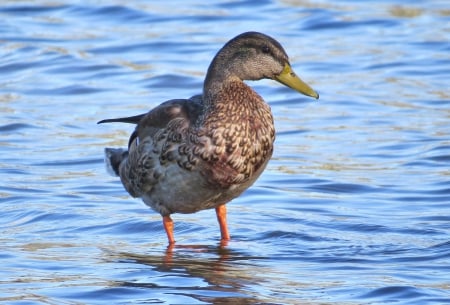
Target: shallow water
{"x": 354, "y": 207}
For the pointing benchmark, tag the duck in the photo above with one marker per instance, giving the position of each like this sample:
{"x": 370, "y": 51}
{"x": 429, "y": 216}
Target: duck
{"x": 197, "y": 153}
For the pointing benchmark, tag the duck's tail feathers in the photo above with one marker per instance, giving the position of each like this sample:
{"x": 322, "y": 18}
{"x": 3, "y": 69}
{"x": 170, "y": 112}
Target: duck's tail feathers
{"x": 131, "y": 120}
{"x": 113, "y": 159}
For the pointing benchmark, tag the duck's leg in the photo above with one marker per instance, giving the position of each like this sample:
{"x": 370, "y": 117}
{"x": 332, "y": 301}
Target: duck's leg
{"x": 221, "y": 212}
{"x": 168, "y": 226}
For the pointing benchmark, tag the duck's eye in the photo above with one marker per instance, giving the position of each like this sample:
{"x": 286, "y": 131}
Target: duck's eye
{"x": 265, "y": 49}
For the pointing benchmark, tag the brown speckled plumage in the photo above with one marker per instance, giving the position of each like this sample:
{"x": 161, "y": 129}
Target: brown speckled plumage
{"x": 192, "y": 154}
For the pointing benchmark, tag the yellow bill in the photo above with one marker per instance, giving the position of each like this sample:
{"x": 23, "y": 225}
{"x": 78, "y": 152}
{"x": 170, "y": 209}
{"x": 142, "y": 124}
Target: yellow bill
{"x": 289, "y": 78}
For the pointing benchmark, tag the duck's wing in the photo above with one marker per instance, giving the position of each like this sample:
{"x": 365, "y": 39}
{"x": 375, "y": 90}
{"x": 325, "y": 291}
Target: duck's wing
{"x": 159, "y": 117}
{"x": 164, "y": 113}
{"x": 139, "y": 166}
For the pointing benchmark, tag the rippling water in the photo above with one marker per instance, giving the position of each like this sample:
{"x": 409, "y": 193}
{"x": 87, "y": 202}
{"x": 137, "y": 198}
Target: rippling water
{"x": 354, "y": 208}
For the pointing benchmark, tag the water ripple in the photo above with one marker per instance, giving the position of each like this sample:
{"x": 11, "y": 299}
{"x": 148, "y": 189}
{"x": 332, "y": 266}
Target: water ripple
{"x": 352, "y": 208}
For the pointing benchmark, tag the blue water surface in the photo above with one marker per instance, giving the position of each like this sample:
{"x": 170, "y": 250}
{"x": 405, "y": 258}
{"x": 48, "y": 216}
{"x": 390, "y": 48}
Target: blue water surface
{"x": 354, "y": 207}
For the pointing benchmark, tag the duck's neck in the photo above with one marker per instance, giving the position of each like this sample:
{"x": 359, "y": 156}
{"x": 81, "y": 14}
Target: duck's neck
{"x": 216, "y": 88}
{"x": 216, "y": 78}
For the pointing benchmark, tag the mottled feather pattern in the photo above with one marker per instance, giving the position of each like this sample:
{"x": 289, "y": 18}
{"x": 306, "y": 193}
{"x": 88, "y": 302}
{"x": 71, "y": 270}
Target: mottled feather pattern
{"x": 155, "y": 143}
{"x": 232, "y": 143}
{"x": 139, "y": 172}
{"x": 239, "y": 135}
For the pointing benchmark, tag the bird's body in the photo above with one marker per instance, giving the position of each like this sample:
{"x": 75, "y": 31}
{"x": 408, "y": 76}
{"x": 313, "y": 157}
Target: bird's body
{"x": 188, "y": 155}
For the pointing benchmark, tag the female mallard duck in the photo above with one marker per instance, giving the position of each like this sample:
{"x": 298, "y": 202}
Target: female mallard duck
{"x": 188, "y": 155}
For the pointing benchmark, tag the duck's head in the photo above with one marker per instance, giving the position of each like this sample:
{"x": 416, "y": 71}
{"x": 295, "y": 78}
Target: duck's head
{"x": 254, "y": 56}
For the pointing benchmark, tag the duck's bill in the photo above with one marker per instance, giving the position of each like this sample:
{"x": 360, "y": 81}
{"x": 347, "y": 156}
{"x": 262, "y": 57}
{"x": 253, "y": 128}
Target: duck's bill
{"x": 289, "y": 78}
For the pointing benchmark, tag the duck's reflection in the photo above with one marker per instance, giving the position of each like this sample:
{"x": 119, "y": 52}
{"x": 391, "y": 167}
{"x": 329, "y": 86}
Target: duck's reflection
{"x": 215, "y": 273}
{"x": 220, "y": 251}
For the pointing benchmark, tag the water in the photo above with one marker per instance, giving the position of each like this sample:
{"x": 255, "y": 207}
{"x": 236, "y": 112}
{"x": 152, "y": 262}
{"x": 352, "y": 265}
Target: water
{"x": 354, "y": 207}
